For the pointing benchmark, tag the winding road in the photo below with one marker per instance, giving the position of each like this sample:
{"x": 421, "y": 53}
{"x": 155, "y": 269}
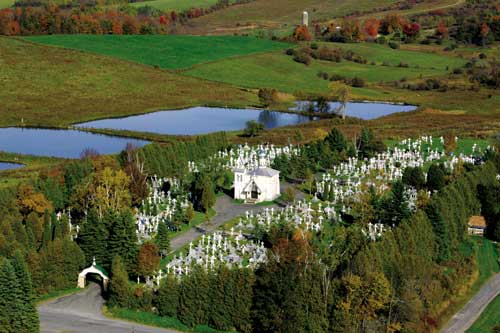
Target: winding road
{"x": 226, "y": 210}
{"x": 81, "y": 313}
{"x": 464, "y": 319}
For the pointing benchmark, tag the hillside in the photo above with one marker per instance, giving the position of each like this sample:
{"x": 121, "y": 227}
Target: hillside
{"x": 52, "y": 87}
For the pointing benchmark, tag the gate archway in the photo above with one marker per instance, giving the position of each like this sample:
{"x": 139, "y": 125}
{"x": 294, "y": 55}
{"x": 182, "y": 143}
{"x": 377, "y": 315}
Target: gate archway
{"x": 94, "y": 269}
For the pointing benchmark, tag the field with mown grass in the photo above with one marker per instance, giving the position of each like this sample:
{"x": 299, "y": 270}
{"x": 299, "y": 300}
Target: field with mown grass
{"x": 49, "y": 86}
{"x": 164, "y": 51}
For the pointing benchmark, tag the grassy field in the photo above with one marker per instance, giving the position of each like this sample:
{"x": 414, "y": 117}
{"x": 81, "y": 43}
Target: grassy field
{"x": 56, "y": 87}
{"x": 164, "y": 51}
{"x": 424, "y": 60}
{"x": 278, "y": 70}
{"x": 489, "y": 318}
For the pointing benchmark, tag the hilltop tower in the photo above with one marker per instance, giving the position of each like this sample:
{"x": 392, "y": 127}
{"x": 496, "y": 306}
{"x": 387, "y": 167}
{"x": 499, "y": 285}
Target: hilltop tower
{"x": 305, "y": 18}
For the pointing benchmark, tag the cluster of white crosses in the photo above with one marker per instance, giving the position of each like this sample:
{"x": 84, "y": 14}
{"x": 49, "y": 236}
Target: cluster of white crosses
{"x": 348, "y": 179}
{"x": 306, "y": 215}
{"x": 243, "y": 157}
{"x": 74, "y": 230}
{"x": 232, "y": 249}
{"x": 158, "y": 207}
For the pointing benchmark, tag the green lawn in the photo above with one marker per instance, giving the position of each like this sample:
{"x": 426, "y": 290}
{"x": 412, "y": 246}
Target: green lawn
{"x": 280, "y": 71}
{"x": 487, "y": 267}
{"x": 164, "y": 51}
{"x": 176, "y": 5}
{"x": 489, "y": 318}
{"x": 52, "y": 86}
{"x": 6, "y": 3}
{"x": 487, "y": 262}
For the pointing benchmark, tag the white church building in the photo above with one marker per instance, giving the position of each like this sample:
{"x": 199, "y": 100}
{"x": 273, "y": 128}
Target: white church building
{"x": 258, "y": 184}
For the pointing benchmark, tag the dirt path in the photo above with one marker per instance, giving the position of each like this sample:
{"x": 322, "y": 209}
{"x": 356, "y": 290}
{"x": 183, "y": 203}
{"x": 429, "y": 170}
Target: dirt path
{"x": 81, "y": 313}
{"x": 226, "y": 210}
{"x": 464, "y": 319}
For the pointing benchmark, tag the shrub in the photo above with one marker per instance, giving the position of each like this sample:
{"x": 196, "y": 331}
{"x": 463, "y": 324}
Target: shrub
{"x": 393, "y": 45}
{"x": 268, "y": 96}
{"x": 357, "y": 82}
{"x": 302, "y": 58}
{"x": 337, "y": 77}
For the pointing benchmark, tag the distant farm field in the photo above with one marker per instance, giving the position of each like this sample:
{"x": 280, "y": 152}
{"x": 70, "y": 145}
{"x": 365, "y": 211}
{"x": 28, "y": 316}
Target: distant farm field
{"x": 164, "y": 51}
{"x": 276, "y": 13}
{"x": 55, "y": 87}
{"x": 175, "y": 5}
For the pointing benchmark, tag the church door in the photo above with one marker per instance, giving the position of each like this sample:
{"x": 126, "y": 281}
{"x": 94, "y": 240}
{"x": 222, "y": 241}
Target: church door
{"x": 255, "y": 193}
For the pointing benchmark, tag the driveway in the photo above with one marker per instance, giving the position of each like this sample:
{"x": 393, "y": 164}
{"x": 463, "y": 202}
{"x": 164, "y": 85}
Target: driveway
{"x": 464, "y": 319}
{"x": 226, "y": 210}
{"x": 81, "y": 313}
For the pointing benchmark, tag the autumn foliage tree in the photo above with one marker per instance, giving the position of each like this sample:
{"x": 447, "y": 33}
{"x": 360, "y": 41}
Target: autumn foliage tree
{"x": 148, "y": 260}
{"x": 302, "y": 33}
{"x": 371, "y": 27}
{"x": 442, "y": 30}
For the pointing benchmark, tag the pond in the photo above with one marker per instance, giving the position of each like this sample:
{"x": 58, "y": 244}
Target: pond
{"x": 9, "y": 166}
{"x": 366, "y": 111}
{"x": 60, "y": 143}
{"x": 198, "y": 120}
{"x": 202, "y": 120}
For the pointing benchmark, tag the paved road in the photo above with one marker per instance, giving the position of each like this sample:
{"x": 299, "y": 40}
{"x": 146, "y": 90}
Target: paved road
{"x": 464, "y": 319}
{"x": 81, "y": 313}
{"x": 226, "y": 210}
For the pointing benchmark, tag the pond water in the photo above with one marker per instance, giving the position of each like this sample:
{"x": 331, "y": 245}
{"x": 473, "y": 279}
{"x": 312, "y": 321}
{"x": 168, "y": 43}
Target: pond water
{"x": 198, "y": 120}
{"x": 8, "y": 166}
{"x": 202, "y": 120}
{"x": 366, "y": 111}
{"x": 60, "y": 143}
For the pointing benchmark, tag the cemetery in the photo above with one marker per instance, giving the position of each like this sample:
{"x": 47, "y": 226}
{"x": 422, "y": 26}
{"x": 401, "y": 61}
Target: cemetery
{"x": 335, "y": 195}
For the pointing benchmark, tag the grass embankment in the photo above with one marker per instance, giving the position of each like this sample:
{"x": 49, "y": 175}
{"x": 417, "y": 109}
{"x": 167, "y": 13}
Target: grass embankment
{"x": 164, "y": 51}
{"x": 487, "y": 265}
{"x": 50, "y": 86}
{"x": 489, "y": 318}
{"x": 57, "y": 294}
{"x": 32, "y": 166}
{"x": 151, "y": 319}
{"x": 198, "y": 219}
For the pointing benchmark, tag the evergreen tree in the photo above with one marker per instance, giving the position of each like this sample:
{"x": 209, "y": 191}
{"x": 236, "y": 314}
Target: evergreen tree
{"x": 194, "y": 298}
{"x": 167, "y": 301}
{"x": 441, "y": 232}
{"x": 119, "y": 288}
{"x": 47, "y": 230}
{"x": 123, "y": 239}
{"x": 336, "y": 140}
{"x": 435, "y": 178}
{"x": 395, "y": 207}
{"x": 12, "y": 313}
{"x": 93, "y": 239}
{"x": 162, "y": 239}
{"x": 29, "y": 321}
{"x": 414, "y": 177}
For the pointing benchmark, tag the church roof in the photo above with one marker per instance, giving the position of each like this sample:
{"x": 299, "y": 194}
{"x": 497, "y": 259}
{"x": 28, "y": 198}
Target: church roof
{"x": 266, "y": 172}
